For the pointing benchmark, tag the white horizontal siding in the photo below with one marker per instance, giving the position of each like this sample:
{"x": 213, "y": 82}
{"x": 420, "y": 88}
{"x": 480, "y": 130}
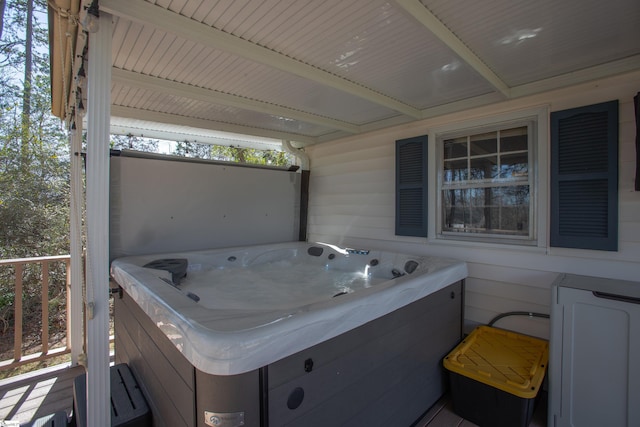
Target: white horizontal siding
{"x": 352, "y": 202}
{"x": 507, "y": 295}
{"x": 487, "y": 295}
{"x": 352, "y": 153}
{"x": 629, "y": 202}
{"x": 530, "y": 325}
{"x": 348, "y": 203}
{"x": 375, "y": 181}
{"x": 362, "y": 181}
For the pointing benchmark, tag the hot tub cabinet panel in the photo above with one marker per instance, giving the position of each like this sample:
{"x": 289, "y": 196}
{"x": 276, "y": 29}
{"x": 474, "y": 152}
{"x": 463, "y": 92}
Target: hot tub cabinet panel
{"x": 385, "y": 372}
{"x": 164, "y": 374}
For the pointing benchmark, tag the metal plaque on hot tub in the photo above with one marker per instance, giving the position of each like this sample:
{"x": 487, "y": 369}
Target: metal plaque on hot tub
{"x": 224, "y": 419}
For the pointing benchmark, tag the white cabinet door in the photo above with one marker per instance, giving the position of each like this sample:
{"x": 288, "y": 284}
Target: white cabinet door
{"x": 596, "y": 352}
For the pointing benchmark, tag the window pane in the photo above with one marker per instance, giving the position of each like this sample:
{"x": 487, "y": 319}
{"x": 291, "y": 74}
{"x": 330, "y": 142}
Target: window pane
{"x": 484, "y": 167}
{"x": 516, "y": 195}
{"x": 514, "y": 209}
{"x": 514, "y": 220}
{"x": 514, "y": 165}
{"x": 455, "y": 170}
{"x": 485, "y": 143}
{"x": 455, "y": 148}
{"x": 493, "y": 219}
{"x": 480, "y": 197}
{"x": 455, "y": 206}
{"x": 513, "y": 139}
{"x": 493, "y": 210}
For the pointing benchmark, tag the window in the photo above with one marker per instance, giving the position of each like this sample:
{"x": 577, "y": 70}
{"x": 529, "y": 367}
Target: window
{"x": 486, "y": 183}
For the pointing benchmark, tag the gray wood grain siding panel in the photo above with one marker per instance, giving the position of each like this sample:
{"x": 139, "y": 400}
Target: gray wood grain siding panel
{"x": 126, "y": 352}
{"x": 398, "y": 366}
{"x": 177, "y": 361}
{"x": 166, "y": 411}
{"x": 395, "y": 394}
{"x": 121, "y": 353}
{"x": 423, "y": 384}
{"x": 285, "y": 370}
{"x": 171, "y": 397}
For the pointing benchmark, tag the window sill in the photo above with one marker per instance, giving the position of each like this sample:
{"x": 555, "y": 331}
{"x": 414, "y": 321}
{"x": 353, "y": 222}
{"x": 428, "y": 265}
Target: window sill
{"x": 527, "y": 246}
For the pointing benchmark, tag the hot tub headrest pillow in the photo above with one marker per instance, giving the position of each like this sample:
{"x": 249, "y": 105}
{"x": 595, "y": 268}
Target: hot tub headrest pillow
{"x": 176, "y": 266}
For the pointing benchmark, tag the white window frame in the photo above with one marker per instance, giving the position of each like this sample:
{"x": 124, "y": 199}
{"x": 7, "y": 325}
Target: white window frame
{"x": 536, "y": 121}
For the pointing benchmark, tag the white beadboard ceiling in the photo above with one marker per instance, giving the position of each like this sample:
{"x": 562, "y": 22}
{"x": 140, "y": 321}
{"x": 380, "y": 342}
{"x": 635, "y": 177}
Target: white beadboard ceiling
{"x": 313, "y": 71}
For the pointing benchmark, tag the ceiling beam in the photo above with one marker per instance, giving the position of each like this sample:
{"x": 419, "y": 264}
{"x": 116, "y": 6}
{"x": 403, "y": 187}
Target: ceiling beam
{"x": 132, "y": 79}
{"x": 148, "y": 14}
{"x": 154, "y": 116}
{"x": 433, "y": 24}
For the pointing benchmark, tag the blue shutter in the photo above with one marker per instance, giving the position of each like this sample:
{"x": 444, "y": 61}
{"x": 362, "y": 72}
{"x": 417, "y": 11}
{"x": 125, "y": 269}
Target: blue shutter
{"x": 411, "y": 187}
{"x": 584, "y": 177}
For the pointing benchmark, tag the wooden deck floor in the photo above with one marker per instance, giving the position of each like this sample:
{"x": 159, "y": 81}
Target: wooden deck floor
{"x": 29, "y": 397}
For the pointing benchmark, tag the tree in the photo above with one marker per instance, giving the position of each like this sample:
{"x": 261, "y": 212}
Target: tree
{"x": 34, "y": 165}
{"x": 3, "y": 3}
{"x": 34, "y": 173}
{"x": 131, "y": 142}
{"x": 250, "y": 155}
{"x": 204, "y": 151}
{"x": 28, "y": 72}
{"x": 192, "y": 149}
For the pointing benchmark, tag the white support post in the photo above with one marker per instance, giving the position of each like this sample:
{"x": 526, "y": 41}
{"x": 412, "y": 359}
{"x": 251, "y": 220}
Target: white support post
{"x": 97, "y": 295}
{"x": 75, "y": 318}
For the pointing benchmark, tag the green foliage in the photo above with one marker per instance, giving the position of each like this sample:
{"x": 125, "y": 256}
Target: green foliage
{"x": 34, "y": 177}
{"x": 250, "y": 155}
{"x": 203, "y": 151}
{"x": 12, "y": 45}
{"x": 232, "y": 154}
{"x": 130, "y": 142}
{"x": 192, "y": 149}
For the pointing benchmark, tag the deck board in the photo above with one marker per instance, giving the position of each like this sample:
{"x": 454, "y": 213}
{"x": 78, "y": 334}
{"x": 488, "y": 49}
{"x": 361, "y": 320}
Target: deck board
{"x": 29, "y": 397}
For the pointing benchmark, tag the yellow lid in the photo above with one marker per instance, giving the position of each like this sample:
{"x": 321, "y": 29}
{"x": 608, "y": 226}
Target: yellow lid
{"x": 506, "y": 360}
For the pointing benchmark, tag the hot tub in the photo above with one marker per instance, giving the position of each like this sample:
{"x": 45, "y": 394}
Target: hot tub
{"x": 326, "y": 335}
